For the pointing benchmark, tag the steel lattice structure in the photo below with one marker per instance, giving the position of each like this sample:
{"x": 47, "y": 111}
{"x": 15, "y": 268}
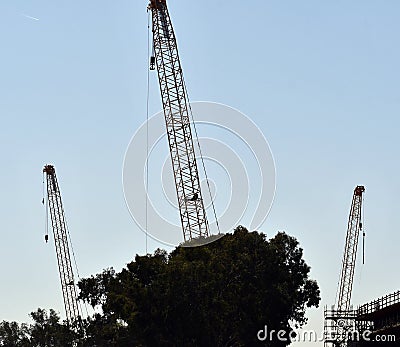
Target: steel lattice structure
{"x": 177, "y": 119}
{"x": 340, "y": 320}
{"x": 350, "y": 250}
{"x": 61, "y": 243}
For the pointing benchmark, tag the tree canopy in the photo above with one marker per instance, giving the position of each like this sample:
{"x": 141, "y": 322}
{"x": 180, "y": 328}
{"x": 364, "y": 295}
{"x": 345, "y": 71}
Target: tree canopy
{"x": 46, "y": 330}
{"x": 219, "y": 294}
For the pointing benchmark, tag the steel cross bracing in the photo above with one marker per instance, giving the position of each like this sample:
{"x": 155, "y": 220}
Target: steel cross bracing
{"x": 350, "y": 251}
{"x": 177, "y": 119}
{"x": 61, "y": 244}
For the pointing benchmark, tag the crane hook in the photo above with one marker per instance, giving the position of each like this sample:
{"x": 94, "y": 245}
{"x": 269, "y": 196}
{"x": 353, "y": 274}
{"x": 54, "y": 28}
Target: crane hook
{"x": 152, "y": 63}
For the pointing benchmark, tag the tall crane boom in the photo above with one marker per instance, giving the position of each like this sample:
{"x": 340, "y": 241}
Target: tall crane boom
{"x": 61, "y": 243}
{"x": 177, "y": 119}
{"x": 350, "y": 250}
{"x": 340, "y": 320}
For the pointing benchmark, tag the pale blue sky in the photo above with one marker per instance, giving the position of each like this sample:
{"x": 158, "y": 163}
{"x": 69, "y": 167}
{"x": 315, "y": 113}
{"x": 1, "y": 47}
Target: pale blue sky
{"x": 320, "y": 79}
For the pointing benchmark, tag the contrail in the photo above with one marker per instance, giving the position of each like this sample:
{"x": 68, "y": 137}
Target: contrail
{"x": 30, "y": 17}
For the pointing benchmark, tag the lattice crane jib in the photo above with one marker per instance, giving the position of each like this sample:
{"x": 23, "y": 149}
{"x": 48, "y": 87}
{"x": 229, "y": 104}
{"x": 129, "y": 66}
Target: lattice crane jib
{"x": 354, "y": 227}
{"x": 340, "y": 320}
{"x": 61, "y": 243}
{"x": 177, "y": 115}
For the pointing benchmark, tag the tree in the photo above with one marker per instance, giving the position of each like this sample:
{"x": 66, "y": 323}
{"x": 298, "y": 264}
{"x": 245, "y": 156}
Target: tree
{"x": 13, "y": 334}
{"x": 46, "y": 331}
{"x": 219, "y": 294}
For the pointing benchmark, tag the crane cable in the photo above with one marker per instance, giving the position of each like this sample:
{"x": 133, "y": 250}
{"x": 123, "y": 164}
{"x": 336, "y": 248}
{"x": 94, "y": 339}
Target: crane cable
{"x": 46, "y": 200}
{"x": 76, "y": 265}
{"x": 147, "y": 131}
{"x": 195, "y": 132}
{"x": 363, "y": 242}
{"x": 201, "y": 157}
{"x": 46, "y": 232}
{"x": 363, "y": 231}
{"x": 338, "y": 284}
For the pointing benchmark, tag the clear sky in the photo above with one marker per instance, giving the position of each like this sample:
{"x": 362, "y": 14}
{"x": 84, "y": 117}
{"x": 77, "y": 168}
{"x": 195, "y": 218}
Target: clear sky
{"x": 320, "y": 79}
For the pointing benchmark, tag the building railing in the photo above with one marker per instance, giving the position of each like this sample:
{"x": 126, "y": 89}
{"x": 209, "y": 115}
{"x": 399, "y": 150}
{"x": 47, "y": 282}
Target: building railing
{"x": 379, "y": 304}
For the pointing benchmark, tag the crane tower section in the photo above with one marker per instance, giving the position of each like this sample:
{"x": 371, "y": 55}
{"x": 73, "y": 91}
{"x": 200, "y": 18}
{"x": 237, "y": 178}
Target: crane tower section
{"x": 61, "y": 243}
{"x": 340, "y": 319}
{"x": 350, "y": 250}
{"x": 177, "y": 115}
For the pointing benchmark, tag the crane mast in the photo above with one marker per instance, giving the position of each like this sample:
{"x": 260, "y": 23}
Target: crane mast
{"x": 339, "y": 321}
{"x": 177, "y": 114}
{"x": 61, "y": 243}
{"x": 350, "y": 250}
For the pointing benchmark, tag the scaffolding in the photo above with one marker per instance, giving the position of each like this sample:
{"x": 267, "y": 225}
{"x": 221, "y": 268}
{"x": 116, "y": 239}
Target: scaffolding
{"x": 377, "y": 317}
{"x": 339, "y": 326}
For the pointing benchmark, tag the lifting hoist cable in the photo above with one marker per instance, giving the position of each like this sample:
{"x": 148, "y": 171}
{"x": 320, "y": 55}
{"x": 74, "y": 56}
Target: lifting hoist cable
{"x": 363, "y": 243}
{"x": 69, "y": 237}
{"x": 178, "y": 123}
{"x": 147, "y": 131}
{"x": 363, "y": 231}
{"x": 337, "y": 287}
{"x": 62, "y": 247}
{"x": 46, "y": 232}
{"x": 202, "y": 160}
{"x": 360, "y": 227}
{"x": 76, "y": 266}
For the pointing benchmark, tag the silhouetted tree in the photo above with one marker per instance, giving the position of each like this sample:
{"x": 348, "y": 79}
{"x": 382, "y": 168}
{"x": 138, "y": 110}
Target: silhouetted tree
{"x": 46, "y": 331}
{"x": 220, "y": 294}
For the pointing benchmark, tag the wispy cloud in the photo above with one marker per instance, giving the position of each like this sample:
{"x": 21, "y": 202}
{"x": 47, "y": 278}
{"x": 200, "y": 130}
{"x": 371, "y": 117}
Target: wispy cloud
{"x": 30, "y": 17}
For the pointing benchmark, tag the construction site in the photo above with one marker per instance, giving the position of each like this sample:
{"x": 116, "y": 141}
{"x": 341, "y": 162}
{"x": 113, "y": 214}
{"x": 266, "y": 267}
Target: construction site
{"x": 344, "y": 325}
{"x": 374, "y": 323}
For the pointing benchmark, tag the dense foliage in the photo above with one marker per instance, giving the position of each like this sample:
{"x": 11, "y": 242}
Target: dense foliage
{"x": 220, "y": 294}
{"x": 46, "y": 330}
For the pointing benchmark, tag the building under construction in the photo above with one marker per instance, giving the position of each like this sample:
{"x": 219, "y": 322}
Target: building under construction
{"x": 376, "y": 323}
{"x": 379, "y": 322}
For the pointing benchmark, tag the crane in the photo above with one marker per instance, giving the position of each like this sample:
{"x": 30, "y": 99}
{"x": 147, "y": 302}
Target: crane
{"x": 354, "y": 227}
{"x": 177, "y": 114}
{"x": 341, "y": 316}
{"x": 61, "y": 243}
